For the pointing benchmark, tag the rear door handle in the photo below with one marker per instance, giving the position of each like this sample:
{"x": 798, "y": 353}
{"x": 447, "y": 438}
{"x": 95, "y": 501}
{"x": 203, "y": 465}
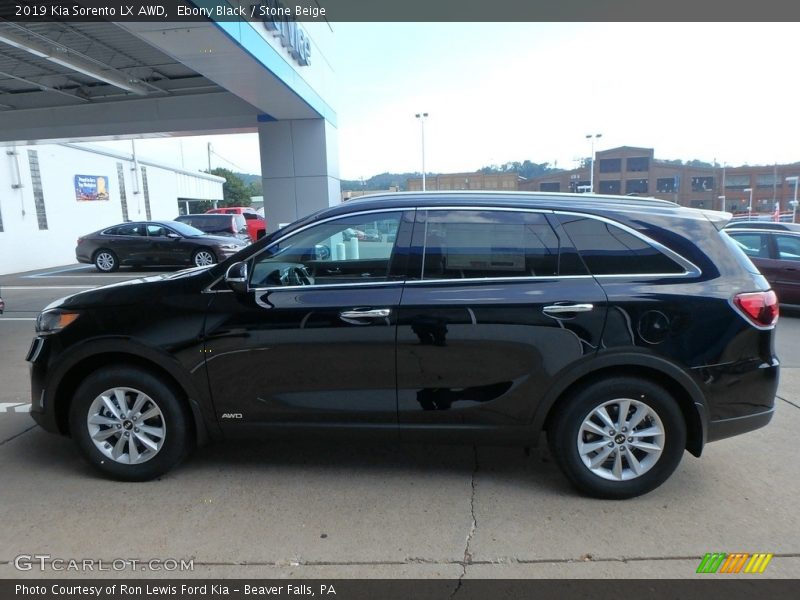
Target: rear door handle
{"x": 560, "y": 309}
{"x": 370, "y": 313}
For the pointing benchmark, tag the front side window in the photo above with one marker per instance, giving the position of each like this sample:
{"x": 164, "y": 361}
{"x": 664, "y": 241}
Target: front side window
{"x": 355, "y": 249}
{"x": 788, "y": 247}
{"x": 157, "y": 231}
{"x": 469, "y": 244}
{"x": 610, "y": 250}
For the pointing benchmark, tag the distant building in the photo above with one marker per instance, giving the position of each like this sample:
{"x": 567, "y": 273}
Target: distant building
{"x": 256, "y": 202}
{"x": 635, "y": 171}
{"x": 350, "y": 194}
{"x": 466, "y": 181}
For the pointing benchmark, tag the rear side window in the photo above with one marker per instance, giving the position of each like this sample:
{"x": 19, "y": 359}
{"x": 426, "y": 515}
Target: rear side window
{"x": 755, "y": 245}
{"x": 469, "y": 244}
{"x": 132, "y": 229}
{"x": 610, "y": 250}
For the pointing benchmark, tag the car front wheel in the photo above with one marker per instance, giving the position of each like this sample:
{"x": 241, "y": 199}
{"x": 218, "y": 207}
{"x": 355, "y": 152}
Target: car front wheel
{"x": 129, "y": 424}
{"x": 618, "y": 438}
{"x": 203, "y": 258}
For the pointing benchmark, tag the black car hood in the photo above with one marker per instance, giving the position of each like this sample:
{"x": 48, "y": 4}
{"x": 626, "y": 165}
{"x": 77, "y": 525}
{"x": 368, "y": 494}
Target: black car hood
{"x": 138, "y": 290}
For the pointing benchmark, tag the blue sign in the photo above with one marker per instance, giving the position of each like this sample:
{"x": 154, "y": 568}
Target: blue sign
{"x": 91, "y": 187}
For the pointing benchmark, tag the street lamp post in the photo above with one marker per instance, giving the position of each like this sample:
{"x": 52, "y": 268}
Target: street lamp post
{"x": 722, "y": 198}
{"x": 422, "y": 117}
{"x": 750, "y": 205}
{"x": 592, "y": 138}
{"x": 794, "y": 202}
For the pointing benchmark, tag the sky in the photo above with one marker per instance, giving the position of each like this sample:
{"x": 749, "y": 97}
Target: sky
{"x": 500, "y": 92}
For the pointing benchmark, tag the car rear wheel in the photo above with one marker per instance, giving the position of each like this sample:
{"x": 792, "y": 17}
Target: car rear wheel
{"x": 106, "y": 261}
{"x": 203, "y": 258}
{"x": 618, "y": 438}
{"x": 129, "y": 424}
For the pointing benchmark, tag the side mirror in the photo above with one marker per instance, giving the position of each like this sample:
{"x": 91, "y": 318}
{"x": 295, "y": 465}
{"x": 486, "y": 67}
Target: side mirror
{"x": 173, "y": 236}
{"x": 236, "y": 277}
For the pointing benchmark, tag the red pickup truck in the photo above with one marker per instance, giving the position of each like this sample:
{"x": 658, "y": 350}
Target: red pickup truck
{"x": 256, "y": 225}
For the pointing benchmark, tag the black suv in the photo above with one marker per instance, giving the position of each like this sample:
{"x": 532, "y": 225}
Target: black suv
{"x": 629, "y": 330}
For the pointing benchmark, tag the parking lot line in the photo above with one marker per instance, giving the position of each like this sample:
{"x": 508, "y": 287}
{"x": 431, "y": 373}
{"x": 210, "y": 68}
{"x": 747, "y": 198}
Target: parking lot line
{"x": 49, "y": 273}
{"x": 17, "y": 318}
{"x": 48, "y": 287}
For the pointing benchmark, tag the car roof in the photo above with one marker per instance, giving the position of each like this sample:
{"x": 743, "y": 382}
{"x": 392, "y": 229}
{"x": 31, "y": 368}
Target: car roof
{"x": 210, "y": 215}
{"x": 763, "y": 225}
{"x": 541, "y": 200}
{"x": 756, "y": 229}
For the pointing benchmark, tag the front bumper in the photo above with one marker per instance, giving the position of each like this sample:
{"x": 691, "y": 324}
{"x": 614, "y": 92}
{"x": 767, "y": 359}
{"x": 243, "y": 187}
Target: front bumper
{"x": 38, "y": 357}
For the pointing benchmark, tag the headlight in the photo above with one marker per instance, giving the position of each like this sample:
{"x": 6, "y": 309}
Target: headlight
{"x": 52, "y": 321}
{"x": 232, "y": 246}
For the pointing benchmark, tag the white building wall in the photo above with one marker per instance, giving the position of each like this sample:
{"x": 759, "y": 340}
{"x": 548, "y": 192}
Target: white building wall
{"x": 24, "y": 246}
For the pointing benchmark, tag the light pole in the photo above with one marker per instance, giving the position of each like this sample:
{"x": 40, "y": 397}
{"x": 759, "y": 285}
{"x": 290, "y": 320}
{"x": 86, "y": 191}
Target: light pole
{"x": 422, "y": 117}
{"x": 794, "y": 202}
{"x": 749, "y": 206}
{"x": 592, "y": 138}
{"x": 723, "y": 202}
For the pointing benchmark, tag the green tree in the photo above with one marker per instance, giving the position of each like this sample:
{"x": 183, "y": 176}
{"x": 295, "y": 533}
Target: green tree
{"x": 234, "y": 190}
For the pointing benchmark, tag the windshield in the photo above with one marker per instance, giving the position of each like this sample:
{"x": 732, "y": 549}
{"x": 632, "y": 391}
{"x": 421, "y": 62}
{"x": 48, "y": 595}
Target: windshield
{"x": 186, "y": 230}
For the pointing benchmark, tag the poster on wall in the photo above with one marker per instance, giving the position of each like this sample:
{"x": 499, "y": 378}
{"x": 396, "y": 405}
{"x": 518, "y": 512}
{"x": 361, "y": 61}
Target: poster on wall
{"x": 91, "y": 187}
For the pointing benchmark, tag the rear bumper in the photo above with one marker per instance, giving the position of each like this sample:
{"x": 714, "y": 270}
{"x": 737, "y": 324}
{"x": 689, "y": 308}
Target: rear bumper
{"x": 740, "y": 397}
{"x": 725, "y": 428}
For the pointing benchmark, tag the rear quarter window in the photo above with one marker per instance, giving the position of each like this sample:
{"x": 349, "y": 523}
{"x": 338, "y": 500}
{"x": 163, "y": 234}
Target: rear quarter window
{"x": 737, "y": 250}
{"x": 610, "y": 250}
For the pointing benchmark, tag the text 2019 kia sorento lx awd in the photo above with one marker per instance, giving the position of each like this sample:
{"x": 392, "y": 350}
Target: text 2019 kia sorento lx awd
{"x": 629, "y": 329}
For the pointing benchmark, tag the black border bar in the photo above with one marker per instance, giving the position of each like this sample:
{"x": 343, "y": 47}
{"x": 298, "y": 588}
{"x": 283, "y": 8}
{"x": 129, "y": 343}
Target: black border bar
{"x": 712, "y": 588}
{"x": 186, "y": 11}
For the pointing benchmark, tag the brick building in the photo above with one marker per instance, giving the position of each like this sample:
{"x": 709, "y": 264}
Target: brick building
{"x": 466, "y": 181}
{"x": 630, "y": 170}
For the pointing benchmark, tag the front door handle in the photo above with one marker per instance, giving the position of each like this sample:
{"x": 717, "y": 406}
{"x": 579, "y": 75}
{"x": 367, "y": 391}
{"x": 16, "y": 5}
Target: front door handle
{"x": 560, "y": 309}
{"x": 369, "y": 313}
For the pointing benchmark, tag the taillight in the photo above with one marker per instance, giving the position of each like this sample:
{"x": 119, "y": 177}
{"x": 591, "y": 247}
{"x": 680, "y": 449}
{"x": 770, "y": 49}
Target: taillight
{"x": 759, "y": 307}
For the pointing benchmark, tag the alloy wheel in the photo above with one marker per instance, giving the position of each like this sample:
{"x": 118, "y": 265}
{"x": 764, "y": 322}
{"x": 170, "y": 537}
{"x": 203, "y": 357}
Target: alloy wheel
{"x": 203, "y": 258}
{"x": 621, "y": 439}
{"x": 105, "y": 261}
{"x": 126, "y": 425}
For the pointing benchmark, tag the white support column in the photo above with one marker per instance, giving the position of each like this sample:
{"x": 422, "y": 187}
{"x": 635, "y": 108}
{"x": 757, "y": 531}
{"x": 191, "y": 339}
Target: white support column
{"x": 299, "y": 168}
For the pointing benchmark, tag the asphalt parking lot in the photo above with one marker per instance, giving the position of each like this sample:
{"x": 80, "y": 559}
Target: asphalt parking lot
{"x": 314, "y": 510}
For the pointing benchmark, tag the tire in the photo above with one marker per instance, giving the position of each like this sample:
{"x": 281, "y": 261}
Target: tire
{"x": 203, "y": 257}
{"x": 143, "y": 454}
{"x": 105, "y": 261}
{"x": 634, "y": 464}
